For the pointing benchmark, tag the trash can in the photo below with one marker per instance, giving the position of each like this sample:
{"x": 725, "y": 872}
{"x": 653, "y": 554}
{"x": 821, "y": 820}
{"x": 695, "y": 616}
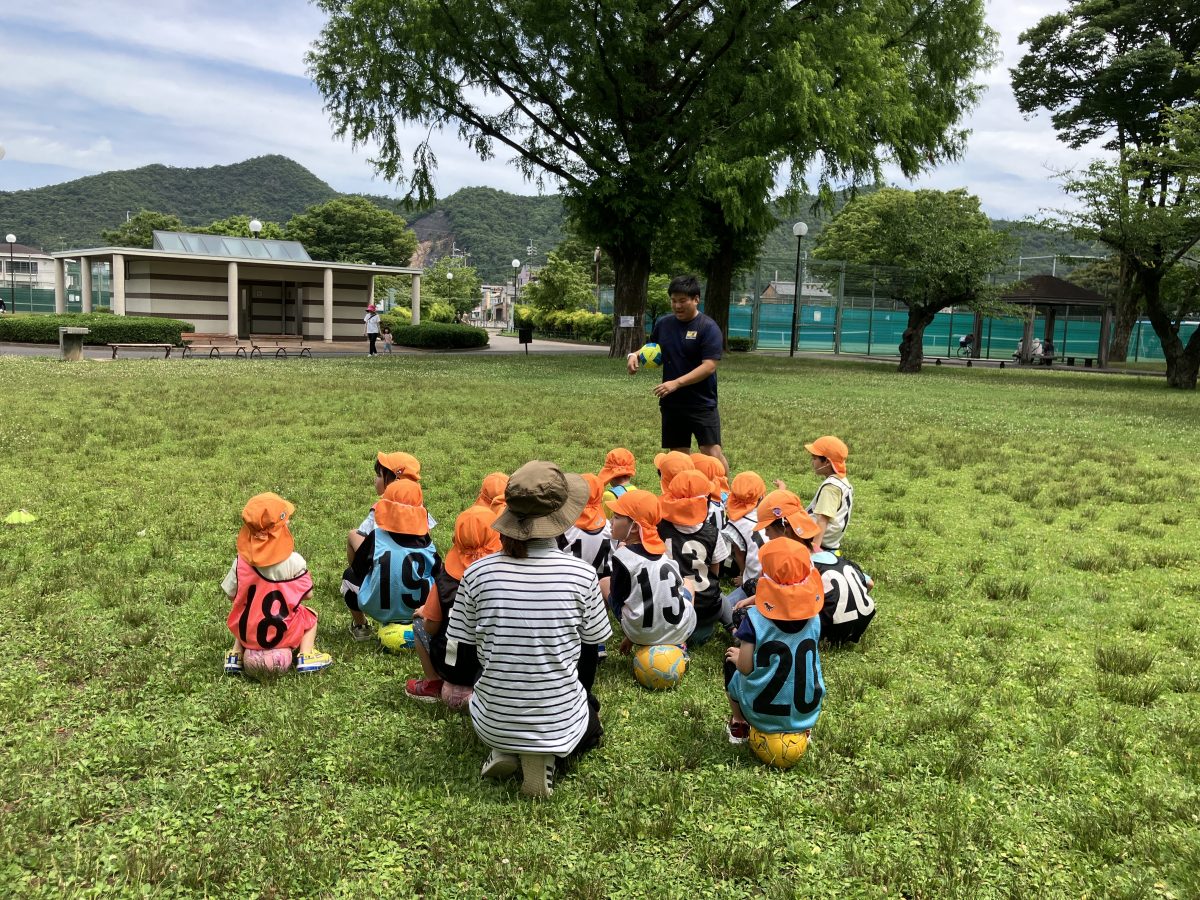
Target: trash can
{"x": 70, "y": 342}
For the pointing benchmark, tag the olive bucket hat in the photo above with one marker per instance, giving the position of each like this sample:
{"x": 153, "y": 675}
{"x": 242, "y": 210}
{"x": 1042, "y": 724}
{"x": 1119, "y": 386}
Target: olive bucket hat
{"x": 542, "y": 501}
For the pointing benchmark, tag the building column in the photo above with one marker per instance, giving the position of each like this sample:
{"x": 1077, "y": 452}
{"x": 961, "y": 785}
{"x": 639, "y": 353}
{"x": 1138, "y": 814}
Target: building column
{"x": 416, "y": 300}
{"x": 118, "y": 284}
{"x": 327, "y": 294}
{"x": 371, "y": 292}
{"x": 85, "y": 283}
{"x": 60, "y": 286}
{"x": 231, "y": 296}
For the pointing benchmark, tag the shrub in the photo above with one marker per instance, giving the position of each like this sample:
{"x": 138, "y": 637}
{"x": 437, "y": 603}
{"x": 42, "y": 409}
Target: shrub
{"x": 523, "y": 317}
{"x": 438, "y": 311}
{"x": 396, "y": 318}
{"x": 740, "y": 344}
{"x": 439, "y": 336}
{"x": 104, "y": 328}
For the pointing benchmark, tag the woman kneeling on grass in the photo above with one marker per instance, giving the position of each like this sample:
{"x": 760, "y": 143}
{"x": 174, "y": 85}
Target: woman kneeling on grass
{"x": 534, "y": 616}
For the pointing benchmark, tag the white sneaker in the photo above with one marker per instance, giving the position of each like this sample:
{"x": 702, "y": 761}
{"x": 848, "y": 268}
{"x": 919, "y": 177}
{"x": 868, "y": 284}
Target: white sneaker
{"x": 499, "y": 765}
{"x": 538, "y": 771}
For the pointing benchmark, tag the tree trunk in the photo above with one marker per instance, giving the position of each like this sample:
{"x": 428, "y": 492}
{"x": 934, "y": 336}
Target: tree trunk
{"x": 1182, "y": 362}
{"x": 631, "y": 266}
{"x": 911, "y": 342}
{"x": 719, "y": 287}
{"x": 1126, "y": 315}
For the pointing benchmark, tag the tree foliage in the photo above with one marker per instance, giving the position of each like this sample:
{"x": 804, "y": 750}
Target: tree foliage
{"x": 239, "y": 226}
{"x": 939, "y": 248}
{"x": 560, "y": 285}
{"x": 354, "y": 230}
{"x": 138, "y": 230}
{"x": 460, "y": 293}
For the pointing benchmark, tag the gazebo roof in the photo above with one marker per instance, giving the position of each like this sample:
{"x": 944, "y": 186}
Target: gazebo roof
{"x": 1047, "y": 290}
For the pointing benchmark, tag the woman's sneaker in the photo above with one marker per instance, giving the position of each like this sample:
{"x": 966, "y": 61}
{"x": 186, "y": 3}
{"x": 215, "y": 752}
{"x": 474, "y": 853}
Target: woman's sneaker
{"x": 427, "y": 690}
{"x": 233, "y": 663}
{"x": 538, "y": 772}
{"x": 499, "y": 765}
{"x": 307, "y": 663}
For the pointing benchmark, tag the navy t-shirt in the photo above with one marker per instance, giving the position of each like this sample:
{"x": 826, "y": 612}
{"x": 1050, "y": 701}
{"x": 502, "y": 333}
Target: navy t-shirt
{"x": 684, "y": 346}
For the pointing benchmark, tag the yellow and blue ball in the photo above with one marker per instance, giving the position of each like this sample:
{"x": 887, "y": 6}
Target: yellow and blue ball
{"x": 396, "y": 637}
{"x": 650, "y": 355}
{"x": 659, "y": 667}
{"x": 781, "y": 750}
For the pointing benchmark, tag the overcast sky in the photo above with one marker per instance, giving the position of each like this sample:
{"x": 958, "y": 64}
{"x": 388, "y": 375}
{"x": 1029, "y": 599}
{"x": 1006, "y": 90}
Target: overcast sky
{"x": 96, "y": 85}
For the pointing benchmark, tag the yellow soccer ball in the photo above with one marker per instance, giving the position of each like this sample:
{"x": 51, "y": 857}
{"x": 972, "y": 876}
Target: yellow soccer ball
{"x": 779, "y": 750}
{"x": 659, "y": 667}
{"x": 650, "y": 356}
{"x": 396, "y": 637}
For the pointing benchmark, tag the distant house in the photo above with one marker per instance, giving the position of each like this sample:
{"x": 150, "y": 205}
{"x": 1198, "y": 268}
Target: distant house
{"x": 785, "y": 292}
{"x": 26, "y": 267}
{"x": 235, "y": 286}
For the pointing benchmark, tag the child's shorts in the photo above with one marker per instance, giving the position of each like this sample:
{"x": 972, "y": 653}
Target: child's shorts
{"x": 420, "y": 635}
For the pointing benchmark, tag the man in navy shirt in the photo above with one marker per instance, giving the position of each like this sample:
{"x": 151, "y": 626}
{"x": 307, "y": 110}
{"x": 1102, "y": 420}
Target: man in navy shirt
{"x": 691, "y": 345}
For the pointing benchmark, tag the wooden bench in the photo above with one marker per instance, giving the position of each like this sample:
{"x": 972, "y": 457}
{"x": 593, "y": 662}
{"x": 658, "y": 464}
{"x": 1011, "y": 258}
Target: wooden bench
{"x": 166, "y": 347}
{"x": 281, "y": 345}
{"x": 215, "y": 344}
{"x": 1086, "y": 360}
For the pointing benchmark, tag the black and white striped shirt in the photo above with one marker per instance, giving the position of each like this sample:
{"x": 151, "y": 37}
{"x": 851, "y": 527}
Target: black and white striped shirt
{"x": 528, "y": 619}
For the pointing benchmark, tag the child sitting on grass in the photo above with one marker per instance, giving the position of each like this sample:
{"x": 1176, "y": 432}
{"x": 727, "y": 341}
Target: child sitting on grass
{"x": 648, "y": 594}
{"x": 491, "y": 492}
{"x": 395, "y": 566}
{"x": 746, "y": 492}
{"x": 669, "y": 465}
{"x": 619, "y": 469}
{"x": 781, "y": 514}
{"x": 693, "y": 543}
{"x": 474, "y": 538}
{"x": 268, "y": 584}
{"x": 588, "y": 538}
{"x": 773, "y": 677}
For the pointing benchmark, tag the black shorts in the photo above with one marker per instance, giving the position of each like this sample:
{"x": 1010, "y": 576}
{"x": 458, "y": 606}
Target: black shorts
{"x": 679, "y": 423}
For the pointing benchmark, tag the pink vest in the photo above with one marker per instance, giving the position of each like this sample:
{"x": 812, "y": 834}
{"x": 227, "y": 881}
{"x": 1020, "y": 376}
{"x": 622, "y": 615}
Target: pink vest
{"x": 263, "y": 609}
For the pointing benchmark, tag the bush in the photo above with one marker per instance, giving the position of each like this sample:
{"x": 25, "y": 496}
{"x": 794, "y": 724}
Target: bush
{"x": 437, "y": 311}
{"x": 396, "y": 318}
{"x": 438, "y": 336}
{"x": 523, "y": 317}
{"x": 573, "y": 323}
{"x": 105, "y": 328}
{"x": 740, "y": 344}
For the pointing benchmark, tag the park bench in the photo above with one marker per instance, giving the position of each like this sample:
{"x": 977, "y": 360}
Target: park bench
{"x": 165, "y": 347}
{"x": 1086, "y": 360}
{"x": 281, "y": 345}
{"x": 214, "y": 344}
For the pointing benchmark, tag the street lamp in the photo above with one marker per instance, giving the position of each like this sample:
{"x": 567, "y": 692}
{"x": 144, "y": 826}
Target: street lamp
{"x": 512, "y": 319}
{"x": 596, "y": 260}
{"x": 450, "y": 290}
{"x": 799, "y": 230}
{"x": 255, "y": 227}
{"x": 12, "y": 276}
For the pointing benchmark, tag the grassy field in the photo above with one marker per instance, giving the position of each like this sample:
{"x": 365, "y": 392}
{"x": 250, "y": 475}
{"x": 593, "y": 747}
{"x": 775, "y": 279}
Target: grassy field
{"x": 1022, "y": 719}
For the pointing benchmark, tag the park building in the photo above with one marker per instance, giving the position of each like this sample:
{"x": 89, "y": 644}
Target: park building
{"x": 232, "y": 286}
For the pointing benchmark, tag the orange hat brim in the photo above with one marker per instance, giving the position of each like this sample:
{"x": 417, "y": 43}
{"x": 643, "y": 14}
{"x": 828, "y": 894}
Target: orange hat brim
{"x": 608, "y": 473}
{"x": 685, "y": 510}
{"x": 790, "y": 602}
{"x": 400, "y": 518}
{"x": 737, "y": 509}
{"x": 651, "y": 539}
{"x": 265, "y": 548}
{"x": 457, "y": 562}
{"x": 839, "y": 465}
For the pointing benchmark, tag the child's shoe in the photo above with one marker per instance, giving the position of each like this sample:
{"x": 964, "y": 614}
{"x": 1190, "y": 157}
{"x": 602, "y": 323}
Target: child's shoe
{"x": 361, "y": 631}
{"x": 538, "y": 771}
{"x": 739, "y": 732}
{"x": 499, "y": 765}
{"x": 427, "y": 690}
{"x": 233, "y": 663}
{"x": 601, "y": 654}
{"x": 307, "y": 663}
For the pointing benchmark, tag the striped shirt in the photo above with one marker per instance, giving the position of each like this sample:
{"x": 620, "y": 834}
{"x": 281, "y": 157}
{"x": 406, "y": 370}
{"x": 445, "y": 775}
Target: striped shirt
{"x": 527, "y": 619}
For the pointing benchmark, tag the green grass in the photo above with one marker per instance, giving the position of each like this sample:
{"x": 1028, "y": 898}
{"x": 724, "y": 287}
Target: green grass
{"x": 1020, "y": 720}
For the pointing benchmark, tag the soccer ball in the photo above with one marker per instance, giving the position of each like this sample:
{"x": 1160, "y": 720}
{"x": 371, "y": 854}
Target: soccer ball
{"x": 396, "y": 637}
{"x": 779, "y": 750}
{"x": 659, "y": 667}
{"x": 650, "y": 355}
{"x": 266, "y": 662}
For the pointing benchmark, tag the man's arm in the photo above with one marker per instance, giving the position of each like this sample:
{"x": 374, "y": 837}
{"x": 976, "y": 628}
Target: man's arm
{"x": 702, "y": 371}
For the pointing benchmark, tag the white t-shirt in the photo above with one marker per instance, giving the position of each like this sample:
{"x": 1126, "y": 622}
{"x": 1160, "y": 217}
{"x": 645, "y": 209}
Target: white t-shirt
{"x": 527, "y": 619}
{"x": 371, "y": 320}
{"x": 741, "y": 534}
{"x": 292, "y": 567}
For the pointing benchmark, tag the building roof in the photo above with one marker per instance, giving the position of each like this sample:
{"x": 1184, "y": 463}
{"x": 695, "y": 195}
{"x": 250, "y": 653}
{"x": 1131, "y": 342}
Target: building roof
{"x": 23, "y": 249}
{"x": 1048, "y": 290}
{"x": 231, "y": 247}
{"x": 139, "y": 253}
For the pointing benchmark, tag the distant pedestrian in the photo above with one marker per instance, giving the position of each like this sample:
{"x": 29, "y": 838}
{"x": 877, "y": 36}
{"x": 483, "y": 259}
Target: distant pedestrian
{"x": 387, "y": 338}
{"x": 371, "y": 327}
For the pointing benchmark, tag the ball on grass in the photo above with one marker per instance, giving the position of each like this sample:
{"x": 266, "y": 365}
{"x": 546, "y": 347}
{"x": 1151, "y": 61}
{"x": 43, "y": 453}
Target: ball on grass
{"x": 781, "y": 750}
{"x": 396, "y": 637}
{"x": 659, "y": 667}
{"x": 266, "y": 663}
{"x": 650, "y": 355}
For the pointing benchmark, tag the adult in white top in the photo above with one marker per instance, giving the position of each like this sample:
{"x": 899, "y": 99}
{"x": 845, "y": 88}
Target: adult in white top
{"x": 371, "y": 327}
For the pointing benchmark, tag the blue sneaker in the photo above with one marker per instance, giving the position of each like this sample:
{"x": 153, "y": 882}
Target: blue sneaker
{"x": 233, "y": 663}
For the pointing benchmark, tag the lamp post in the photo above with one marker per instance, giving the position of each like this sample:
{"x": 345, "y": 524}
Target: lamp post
{"x": 450, "y": 291}
{"x": 12, "y": 276}
{"x": 512, "y": 319}
{"x": 596, "y": 260}
{"x": 255, "y": 228}
{"x": 799, "y": 230}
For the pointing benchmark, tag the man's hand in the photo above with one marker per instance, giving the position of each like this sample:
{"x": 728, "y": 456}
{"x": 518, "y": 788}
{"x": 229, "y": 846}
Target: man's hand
{"x": 667, "y": 387}
{"x": 631, "y": 363}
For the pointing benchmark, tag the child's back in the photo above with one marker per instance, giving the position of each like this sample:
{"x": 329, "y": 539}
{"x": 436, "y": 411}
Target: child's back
{"x": 849, "y": 607}
{"x": 693, "y": 542}
{"x": 588, "y": 538}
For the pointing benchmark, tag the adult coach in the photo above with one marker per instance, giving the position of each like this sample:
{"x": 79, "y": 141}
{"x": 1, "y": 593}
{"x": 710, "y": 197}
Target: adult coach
{"x": 691, "y": 345}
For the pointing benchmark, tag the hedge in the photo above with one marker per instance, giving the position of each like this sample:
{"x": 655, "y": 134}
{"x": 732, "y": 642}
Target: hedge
{"x": 438, "y": 336}
{"x": 105, "y": 328}
{"x": 741, "y": 344}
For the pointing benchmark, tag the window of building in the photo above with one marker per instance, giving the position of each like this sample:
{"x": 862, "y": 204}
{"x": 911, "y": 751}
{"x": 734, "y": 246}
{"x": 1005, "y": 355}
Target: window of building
{"x": 21, "y": 266}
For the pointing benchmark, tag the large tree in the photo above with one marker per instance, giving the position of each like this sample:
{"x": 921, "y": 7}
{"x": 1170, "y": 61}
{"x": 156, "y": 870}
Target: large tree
{"x": 938, "y": 246}
{"x": 560, "y": 284}
{"x": 354, "y": 230}
{"x": 461, "y": 292}
{"x": 138, "y": 230}
{"x": 1113, "y": 71}
{"x": 616, "y": 100}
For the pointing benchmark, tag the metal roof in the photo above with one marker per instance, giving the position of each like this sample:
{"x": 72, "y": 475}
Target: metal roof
{"x": 231, "y": 247}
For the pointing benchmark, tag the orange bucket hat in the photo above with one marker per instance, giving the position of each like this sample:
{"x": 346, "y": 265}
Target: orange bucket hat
{"x": 265, "y": 538}
{"x": 686, "y": 501}
{"x": 645, "y": 510}
{"x": 745, "y": 493}
{"x": 402, "y": 508}
{"x": 787, "y": 506}
{"x": 833, "y": 449}
{"x": 592, "y": 518}
{"x": 402, "y": 465}
{"x": 474, "y": 538}
{"x": 491, "y": 494}
{"x": 669, "y": 465}
{"x": 790, "y": 588}
{"x": 711, "y": 466}
{"x": 618, "y": 462}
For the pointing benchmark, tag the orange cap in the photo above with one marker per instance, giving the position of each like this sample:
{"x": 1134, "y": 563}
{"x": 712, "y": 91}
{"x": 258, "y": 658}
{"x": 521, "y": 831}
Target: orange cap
{"x": 592, "y": 518}
{"x": 713, "y": 468}
{"x": 745, "y": 493}
{"x": 833, "y": 449}
{"x": 787, "y": 506}
{"x": 402, "y": 465}
{"x": 686, "y": 500}
{"x": 790, "y": 588}
{"x": 646, "y": 511}
{"x": 402, "y": 509}
{"x": 618, "y": 462}
{"x": 491, "y": 494}
{"x": 474, "y": 538}
{"x": 669, "y": 465}
{"x": 265, "y": 538}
